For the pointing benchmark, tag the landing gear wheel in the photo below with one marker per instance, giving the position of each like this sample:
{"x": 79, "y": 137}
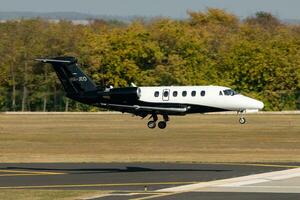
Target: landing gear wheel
{"x": 151, "y": 124}
{"x": 242, "y": 120}
{"x": 162, "y": 124}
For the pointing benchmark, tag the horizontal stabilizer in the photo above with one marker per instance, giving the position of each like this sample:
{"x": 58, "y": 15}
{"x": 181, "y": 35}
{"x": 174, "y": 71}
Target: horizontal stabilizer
{"x": 58, "y": 60}
{"x": 46, "y": 60}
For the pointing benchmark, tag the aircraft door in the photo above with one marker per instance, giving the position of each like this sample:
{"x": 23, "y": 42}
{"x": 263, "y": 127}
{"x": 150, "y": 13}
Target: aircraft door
{"x": 166, "y": 95}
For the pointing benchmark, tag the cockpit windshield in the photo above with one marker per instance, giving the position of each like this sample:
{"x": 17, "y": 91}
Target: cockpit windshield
{"x": 229, "y": 92}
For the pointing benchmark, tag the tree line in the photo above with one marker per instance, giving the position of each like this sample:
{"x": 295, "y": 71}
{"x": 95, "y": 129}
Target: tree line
{"x": 258, "y": 56}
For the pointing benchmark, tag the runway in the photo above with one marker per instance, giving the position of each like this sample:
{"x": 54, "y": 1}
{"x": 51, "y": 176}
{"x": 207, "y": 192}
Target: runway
{"x": 159, "y": 180}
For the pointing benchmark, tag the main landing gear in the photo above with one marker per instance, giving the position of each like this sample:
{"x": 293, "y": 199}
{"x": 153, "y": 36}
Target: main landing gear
{"x": 162, "y": 124}
{"x": 242, "y": 119}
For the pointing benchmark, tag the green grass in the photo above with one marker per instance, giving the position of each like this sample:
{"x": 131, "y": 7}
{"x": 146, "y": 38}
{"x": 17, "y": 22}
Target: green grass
{"x": 122, "y": 138}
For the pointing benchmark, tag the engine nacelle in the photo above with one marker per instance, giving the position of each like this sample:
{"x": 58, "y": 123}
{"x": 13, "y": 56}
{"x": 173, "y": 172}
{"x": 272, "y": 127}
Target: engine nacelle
{"x": 123, "y": 95}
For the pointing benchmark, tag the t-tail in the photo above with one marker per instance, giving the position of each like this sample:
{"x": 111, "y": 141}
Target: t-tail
{"x": 77, "y": 85}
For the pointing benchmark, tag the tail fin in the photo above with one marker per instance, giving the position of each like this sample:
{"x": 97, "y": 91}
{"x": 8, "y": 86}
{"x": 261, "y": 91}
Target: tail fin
{"x": 74, "y": 81}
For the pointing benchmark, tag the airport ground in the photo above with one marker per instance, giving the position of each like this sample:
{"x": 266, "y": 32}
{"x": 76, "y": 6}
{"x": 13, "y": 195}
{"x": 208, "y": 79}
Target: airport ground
{"x": 121, "y": 147}
{"x": 123, "y": 138}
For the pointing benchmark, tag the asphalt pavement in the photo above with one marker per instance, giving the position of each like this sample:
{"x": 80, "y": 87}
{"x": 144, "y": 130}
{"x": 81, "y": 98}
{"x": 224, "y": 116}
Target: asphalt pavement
{"x": 157, "y": 180}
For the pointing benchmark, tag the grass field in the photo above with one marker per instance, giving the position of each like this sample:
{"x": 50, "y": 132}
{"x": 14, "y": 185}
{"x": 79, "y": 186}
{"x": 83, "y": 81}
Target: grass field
{"x": 122, "y": 138}
{"x": 47, "y": 194}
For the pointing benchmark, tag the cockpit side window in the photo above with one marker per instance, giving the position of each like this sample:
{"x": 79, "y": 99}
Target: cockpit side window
{"x": 221, "y": 93}
{"x": 229, "y": 92}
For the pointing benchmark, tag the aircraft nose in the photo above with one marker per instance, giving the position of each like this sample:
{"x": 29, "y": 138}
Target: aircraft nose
{"x": 254, "y": 104}
{"x": 260, "y": 105}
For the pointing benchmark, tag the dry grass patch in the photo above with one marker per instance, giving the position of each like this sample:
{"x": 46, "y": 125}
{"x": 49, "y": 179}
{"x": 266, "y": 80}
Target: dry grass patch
{"x": 23, "y": 194}
{"x": 122, "y": 138}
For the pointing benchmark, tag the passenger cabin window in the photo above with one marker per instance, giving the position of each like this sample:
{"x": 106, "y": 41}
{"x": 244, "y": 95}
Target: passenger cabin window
{"x": 184, "y": 93}
{"x": 202, "y": 93}
{"x": 193, "y": 93}
{"x": 229, "y": 92}
{"x": 156, "y": 93}
{"x": 175, "y": 93}
{"x": 166, "y": 93}
{"x": 221, "y": 94}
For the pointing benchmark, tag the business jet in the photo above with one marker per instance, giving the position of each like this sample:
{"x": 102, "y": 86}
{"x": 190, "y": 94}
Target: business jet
{"x": 150, "y": 101}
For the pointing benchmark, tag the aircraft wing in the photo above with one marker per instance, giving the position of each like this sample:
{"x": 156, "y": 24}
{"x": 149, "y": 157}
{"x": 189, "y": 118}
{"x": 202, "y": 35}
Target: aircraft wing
{"x": 137, "y": 108}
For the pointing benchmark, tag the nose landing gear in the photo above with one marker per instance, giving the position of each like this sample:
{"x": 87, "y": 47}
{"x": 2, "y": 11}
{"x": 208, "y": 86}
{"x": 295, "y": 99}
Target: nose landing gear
{"x": 242, "y": 119}
{"x": 162, "y": 124}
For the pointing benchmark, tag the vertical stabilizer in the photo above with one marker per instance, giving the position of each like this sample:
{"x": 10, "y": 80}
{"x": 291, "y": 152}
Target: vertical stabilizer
{"x": 74, "y": 81}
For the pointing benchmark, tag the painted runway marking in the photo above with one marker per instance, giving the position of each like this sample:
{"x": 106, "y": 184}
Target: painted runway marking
{"x": 264, "y": 177}
{"x": 239, "y": 181}
{"x": 258, "y": 165}
{"x": 94, "y": 185}
{"x": 1, "y": 175}
{"x": 279, "y": 187}
{"x": 155, "y": 196}
{"x": 249, "y": 182}
{"x": 12, "y": 172}
{"x": 119, "y": 194}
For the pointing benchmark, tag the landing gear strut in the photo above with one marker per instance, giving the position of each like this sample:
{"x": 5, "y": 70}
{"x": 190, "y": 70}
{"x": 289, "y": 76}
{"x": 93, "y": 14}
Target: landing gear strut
{"x": 242, "y": 119}
{"x": 162, "y": 124}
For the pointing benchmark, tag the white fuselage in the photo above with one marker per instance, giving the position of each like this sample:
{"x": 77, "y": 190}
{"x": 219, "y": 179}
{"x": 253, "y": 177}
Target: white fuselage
{"x": 209, "y": 96}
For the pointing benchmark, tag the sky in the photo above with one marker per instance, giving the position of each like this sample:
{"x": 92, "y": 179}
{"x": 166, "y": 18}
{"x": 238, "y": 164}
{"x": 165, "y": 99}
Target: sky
{"x": 285, "y": 9}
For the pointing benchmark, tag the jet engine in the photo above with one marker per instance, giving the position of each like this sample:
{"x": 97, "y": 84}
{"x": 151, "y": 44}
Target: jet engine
{"x": 123, "y": 95}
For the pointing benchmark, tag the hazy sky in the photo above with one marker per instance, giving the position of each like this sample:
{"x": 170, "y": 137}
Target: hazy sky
{"x": 286, "y": 9}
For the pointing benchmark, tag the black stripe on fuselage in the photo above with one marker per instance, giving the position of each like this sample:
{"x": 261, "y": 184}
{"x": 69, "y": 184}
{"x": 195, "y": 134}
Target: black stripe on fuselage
{"x": 191, "y": 108}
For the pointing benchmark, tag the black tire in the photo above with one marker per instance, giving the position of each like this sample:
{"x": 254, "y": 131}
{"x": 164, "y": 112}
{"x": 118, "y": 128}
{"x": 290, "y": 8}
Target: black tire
{"x": 242, "y": 120}
{"x": 151, "y": 124}
{"x": 162, "y": 124}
